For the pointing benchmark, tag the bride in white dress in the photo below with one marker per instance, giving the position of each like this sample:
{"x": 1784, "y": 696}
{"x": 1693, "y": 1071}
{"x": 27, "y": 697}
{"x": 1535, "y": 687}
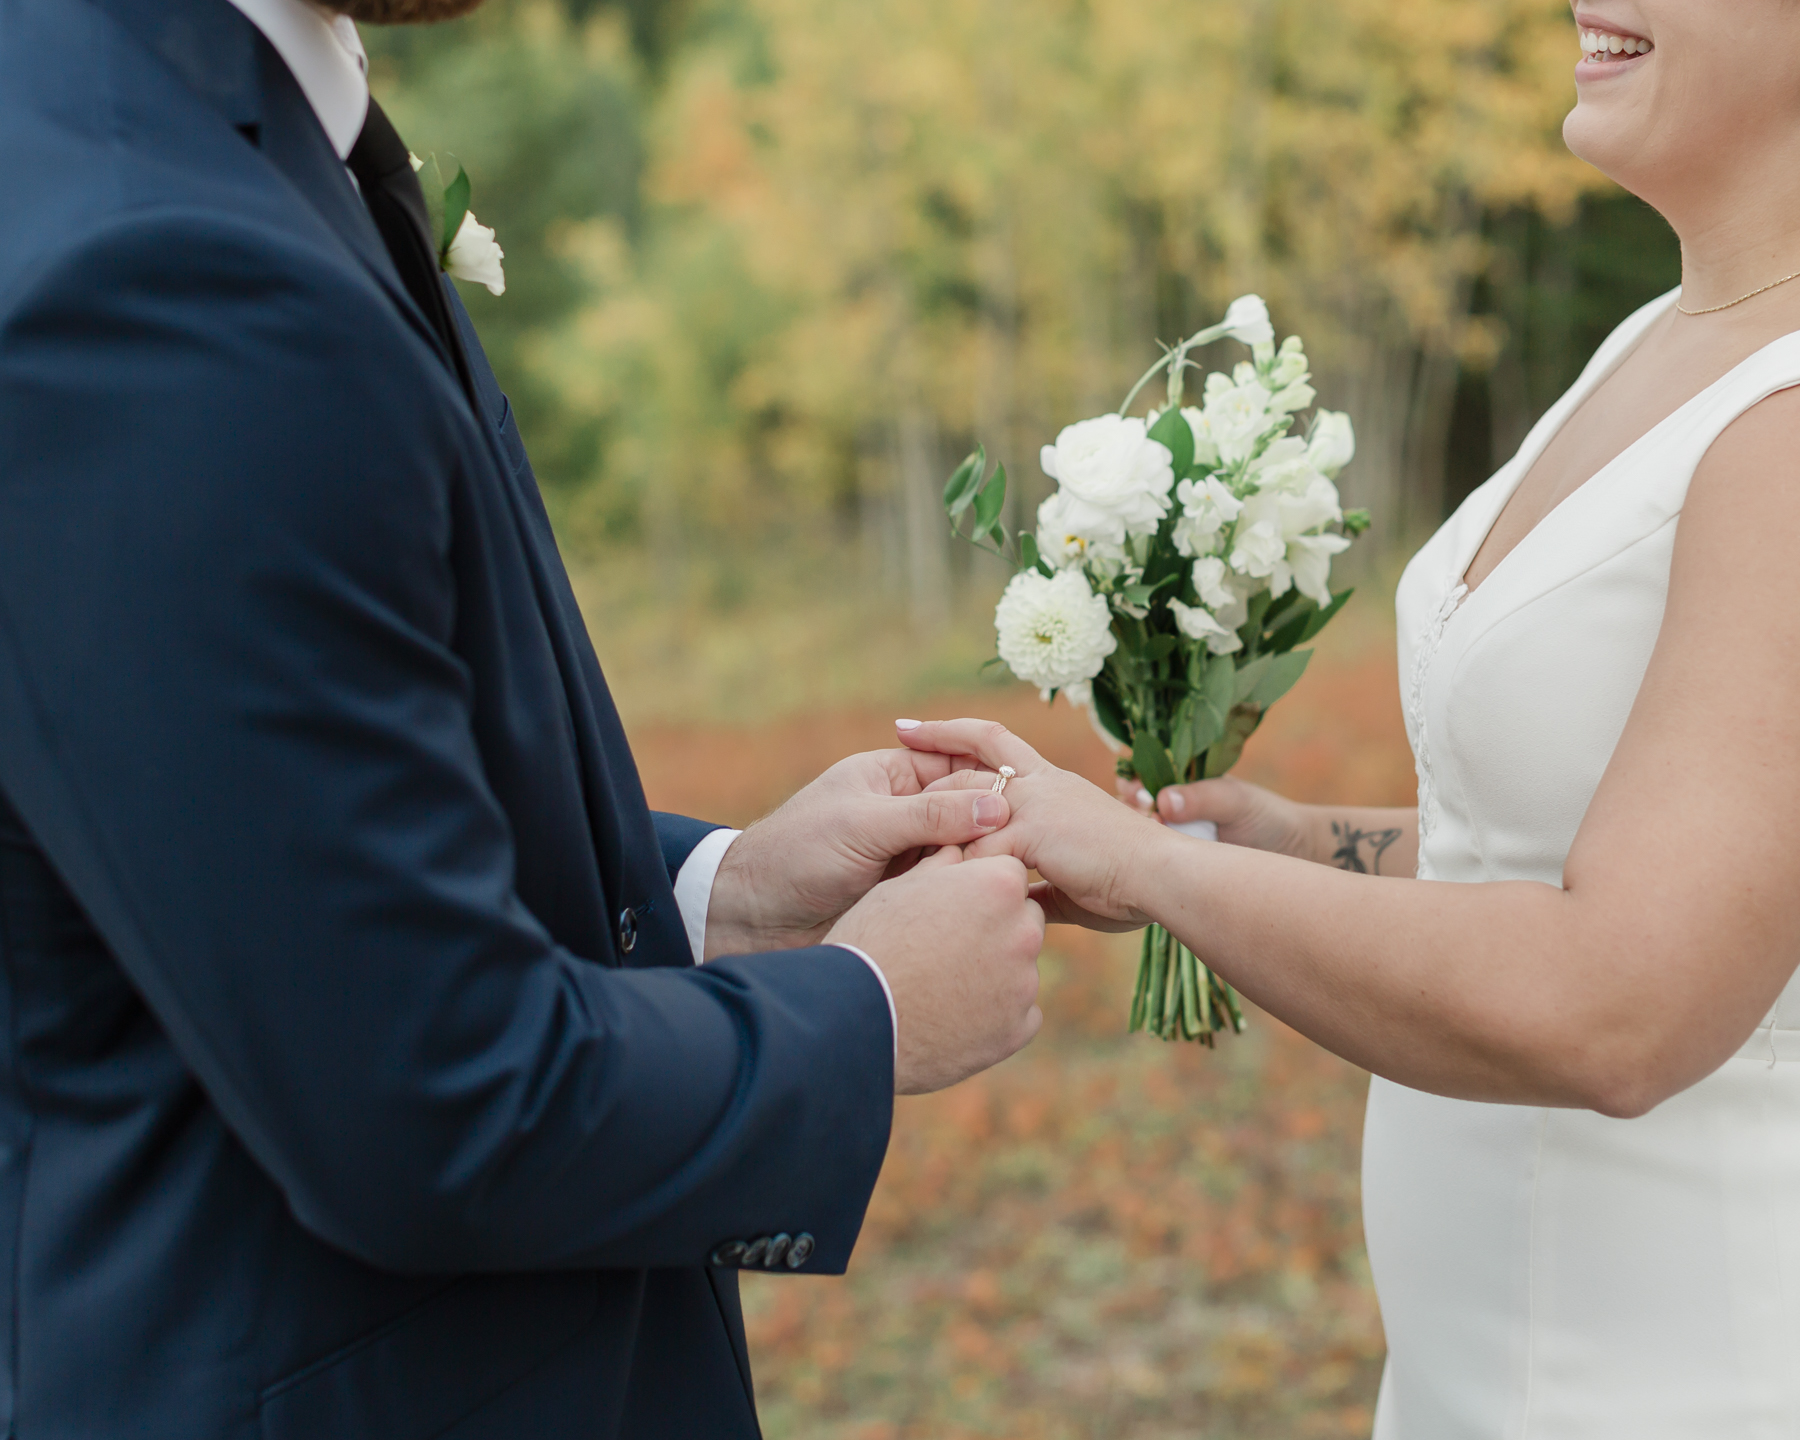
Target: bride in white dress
{"x": 1582, "y": 1156}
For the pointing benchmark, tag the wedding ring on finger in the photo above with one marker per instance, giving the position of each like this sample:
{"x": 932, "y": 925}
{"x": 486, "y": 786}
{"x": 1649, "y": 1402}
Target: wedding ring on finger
{"x": 1006, "y": 773}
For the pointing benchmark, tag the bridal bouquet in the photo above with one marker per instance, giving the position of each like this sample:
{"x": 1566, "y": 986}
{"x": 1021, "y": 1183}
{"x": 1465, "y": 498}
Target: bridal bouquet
{"x": 1183, "y": 560}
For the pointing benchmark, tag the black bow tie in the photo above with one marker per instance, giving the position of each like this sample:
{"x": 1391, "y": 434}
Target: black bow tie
{"x": 383, "y": 168}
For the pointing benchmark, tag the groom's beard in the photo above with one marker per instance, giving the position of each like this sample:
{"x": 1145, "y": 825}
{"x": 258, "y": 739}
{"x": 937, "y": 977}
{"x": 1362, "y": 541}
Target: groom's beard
{"x": 402, "y": 12}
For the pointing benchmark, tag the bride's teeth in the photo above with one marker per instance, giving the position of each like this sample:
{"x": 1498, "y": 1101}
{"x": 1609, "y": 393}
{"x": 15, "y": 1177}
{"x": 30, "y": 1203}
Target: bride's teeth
{"x": 1615, "y": 44}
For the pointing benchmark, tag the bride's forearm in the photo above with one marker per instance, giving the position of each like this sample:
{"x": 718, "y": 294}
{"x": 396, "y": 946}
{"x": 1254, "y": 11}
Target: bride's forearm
{"x": 1364, "y": 840}
{"x": 1473, "y": 991}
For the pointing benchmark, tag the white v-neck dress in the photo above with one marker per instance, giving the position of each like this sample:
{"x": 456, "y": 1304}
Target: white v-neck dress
{"x": 1553, "y": 1274}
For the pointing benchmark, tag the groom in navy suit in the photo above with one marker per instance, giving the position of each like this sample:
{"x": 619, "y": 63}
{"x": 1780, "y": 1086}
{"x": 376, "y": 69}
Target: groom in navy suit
{"x": 360, "y": 1077}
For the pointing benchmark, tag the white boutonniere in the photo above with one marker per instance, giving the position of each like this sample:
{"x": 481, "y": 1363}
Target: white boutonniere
{"x": 466, "y": 248}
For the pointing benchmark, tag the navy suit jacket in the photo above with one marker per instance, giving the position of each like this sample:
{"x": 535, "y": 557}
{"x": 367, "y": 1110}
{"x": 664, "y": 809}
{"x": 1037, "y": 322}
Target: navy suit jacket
{"x": 332, "y": 1103}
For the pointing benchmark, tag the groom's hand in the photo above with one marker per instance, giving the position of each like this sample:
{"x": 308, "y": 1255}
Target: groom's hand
{"x": 958, "y": 941}
{"x": 788, "y": 878}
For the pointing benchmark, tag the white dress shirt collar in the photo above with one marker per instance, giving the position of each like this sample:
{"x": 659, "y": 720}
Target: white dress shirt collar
{"x": 326, "y": 55}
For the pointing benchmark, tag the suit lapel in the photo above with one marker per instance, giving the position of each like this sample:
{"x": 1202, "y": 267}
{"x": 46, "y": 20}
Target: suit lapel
{"x": 222, "y": 57}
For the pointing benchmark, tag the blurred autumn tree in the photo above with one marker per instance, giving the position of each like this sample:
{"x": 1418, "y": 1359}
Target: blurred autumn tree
{"x": 775, "y": 264}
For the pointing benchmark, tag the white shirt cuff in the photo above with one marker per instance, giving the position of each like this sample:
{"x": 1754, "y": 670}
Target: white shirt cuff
{"x": 694, "y": 886}
{"x": 886, "y": 989}
{"x": 693, "y": 897}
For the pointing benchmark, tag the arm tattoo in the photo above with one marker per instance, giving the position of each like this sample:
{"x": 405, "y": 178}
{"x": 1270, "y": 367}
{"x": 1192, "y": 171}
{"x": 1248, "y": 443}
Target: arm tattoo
{"x": 1351, "y": 841}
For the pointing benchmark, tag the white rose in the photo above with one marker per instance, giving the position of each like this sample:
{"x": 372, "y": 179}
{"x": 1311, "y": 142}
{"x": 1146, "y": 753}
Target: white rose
{"x": 1332, "y": 444}
{"x": 474, "y": 256}
{"x": 1113, "y": 474}
{"x": 1071, "y": 535}
{"x": 1247, "y": 319}
{"x": 1197, "y": 624}
{"x": 1207, "y": 507}
{"x": 1234, "y": 417}
{"x": 1053, "y": 631}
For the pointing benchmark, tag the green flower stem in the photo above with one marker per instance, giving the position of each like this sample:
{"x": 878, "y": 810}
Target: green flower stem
{"x": 1177, "y": 996}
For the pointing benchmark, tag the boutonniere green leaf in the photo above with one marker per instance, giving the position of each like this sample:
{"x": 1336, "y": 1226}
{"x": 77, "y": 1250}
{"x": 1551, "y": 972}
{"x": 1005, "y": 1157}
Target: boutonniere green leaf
{"x": 466, "y": 249}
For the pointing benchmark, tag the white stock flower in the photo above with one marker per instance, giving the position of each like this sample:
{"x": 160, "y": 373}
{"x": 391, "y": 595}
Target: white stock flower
{"x": 1288, "y": 377}
{"x": 1053, "y": 631}
{"x": 1207, "y": 507}
{"x": 1258, "y": 549}
{"x": 1309, "y": 562}
{"x": 1198, "y": 624}
{"x": 1071, "y": 535}
{"x": 1332, "y": 444}
{"x": 1116, "y": 477}
{"x": 1235, "y": 416}
{"x": 1277, "y": 540}
{"x": 1247, "y": 319}
{"x": 474, "y": 256}
{"x": 1225, "y": 594}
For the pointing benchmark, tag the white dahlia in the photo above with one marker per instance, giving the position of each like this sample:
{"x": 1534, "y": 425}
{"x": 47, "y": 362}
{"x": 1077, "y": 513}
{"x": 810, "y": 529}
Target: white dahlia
{"x": 1054, "y": 631}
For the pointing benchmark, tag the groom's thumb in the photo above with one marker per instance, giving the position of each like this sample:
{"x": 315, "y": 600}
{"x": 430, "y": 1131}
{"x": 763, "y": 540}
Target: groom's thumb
{"x": 938, "y": 817}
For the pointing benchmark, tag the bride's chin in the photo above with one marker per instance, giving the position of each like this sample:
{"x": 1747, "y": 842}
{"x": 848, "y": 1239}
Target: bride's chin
{"x": 1598, "y": 133}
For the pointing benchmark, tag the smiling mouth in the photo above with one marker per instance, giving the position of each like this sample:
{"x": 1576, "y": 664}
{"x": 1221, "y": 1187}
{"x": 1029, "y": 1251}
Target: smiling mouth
{"x": 1601, "y": 47}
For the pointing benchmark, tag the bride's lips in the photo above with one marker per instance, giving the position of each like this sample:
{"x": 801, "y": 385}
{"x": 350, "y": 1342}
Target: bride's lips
{"x": 1608, "y": 49}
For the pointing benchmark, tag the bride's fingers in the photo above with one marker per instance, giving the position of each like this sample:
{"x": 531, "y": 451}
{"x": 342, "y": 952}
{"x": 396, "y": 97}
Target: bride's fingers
{"x": 986, "y": 740}
{"x": 970, "y": 779}
{"x": 1060, "y": 910}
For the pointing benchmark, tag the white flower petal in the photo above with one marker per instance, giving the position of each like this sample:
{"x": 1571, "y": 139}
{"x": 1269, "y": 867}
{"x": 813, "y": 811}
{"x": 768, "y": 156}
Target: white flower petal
{"x": 1247, "y": 320}
{"x": 475, "y": 256}
{"x": 1053, "y": 631}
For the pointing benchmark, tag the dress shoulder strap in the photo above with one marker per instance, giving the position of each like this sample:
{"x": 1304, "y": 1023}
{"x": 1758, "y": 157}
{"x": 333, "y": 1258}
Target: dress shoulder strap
{"x": 1773, "y": 368}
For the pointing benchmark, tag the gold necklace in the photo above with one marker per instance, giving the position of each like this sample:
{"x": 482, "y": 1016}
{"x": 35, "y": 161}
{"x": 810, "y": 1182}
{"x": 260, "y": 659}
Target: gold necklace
{"x": 1715, "y": 309}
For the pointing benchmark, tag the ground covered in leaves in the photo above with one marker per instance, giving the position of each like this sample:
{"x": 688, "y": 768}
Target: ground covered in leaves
{"x": 1106, "y": 1236}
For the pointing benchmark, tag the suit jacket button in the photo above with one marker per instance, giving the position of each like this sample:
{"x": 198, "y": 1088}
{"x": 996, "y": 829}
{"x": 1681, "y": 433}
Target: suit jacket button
{"x": 730, "y": 1253}
{"x": 777, "y": 1251}
{"x": 753, "y": 1254}
{"x": 628, "y": 930}
{"x": 800, "y": 1251}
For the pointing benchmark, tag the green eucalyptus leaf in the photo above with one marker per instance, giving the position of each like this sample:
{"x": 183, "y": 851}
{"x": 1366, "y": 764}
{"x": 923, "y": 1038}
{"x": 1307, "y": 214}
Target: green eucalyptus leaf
{"x": 1322, "y": 618}
{"x": 1154, "y": 767}
{"x": 1172, "y": 430}
{"x": 1182, "y": 749}
{"x": 1248, "y": 677}
{"x": 1157, "y": 646}
{"x": 990, "y": 500}
{"x": 1106, "y": 711}
{"x": 960, "y": 490}
{"x": 1206, "y": 726}
{"x": 1220, "y": 685}
{"x": 1288, "y": 629}
{"x": 1282, "y": 675}
{"x": 431, "y": 181}
{"x": 1250, "y": 632}
{"x": 457, "y": 195}
{"x": 1241, "y": 725}
{"x": 1028, "y": 553}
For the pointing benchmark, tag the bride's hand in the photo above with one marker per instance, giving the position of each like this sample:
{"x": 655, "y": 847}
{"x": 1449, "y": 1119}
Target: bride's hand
{"x": 1081, "y": 840}
{"x": 1246, "y": 814}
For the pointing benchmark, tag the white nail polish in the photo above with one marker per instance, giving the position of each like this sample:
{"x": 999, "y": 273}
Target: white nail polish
{"x": 1176, "y": 802}
{"x": 1143, "y": 798}
{"x": 908, "y": 724}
